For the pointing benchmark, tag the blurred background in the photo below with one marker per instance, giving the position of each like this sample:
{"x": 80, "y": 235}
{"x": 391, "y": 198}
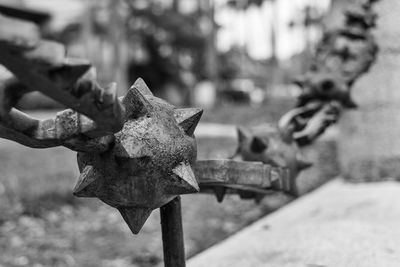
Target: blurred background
{"x": 234, "y": 58}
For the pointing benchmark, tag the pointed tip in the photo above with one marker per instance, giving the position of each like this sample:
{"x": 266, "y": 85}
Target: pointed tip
{"x": 142, "y": 87}
{"x": 182, "y": 114}
{"x": 219, "y": 192}
{"x": 302, "y": 163}
{"x": 258, "y": 198}
{"x": 241, "y": 133}
{"x": 186, "y": 182}
{"x": 85, "y": 186}
{"x": 135, "y": 217}
{"x": 135, "y": 102}
{"x": 351, "y": 104}
{"x": 188, "y": 118}
{"x": 69, "y": 73}
{"x": 258, "y": 145}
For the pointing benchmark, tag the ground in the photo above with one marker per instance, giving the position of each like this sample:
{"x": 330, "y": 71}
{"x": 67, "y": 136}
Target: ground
{"x": 42, "y": 224}
{"x": 339, "y": 225}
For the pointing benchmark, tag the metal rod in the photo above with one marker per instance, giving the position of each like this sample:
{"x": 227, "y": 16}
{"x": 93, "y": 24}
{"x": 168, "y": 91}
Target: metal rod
{"x": 172, "y": 234}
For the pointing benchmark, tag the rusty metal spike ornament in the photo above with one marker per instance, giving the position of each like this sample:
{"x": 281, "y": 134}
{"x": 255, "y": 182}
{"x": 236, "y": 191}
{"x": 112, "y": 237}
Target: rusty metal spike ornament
{"x": 265, "y": 144}
{"x": 188, "y": 118}
{"x": 247, "y": 179}
{"x": 149, "y": 162}
{"x": 134, "y": 153}
{"x": 264, "y": 163}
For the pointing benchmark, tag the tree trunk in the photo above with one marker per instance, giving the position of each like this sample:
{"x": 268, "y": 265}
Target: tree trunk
{"x": 211, "y": 51}
{"x": 369, "y": 146}
{"x": 120, "y": 56}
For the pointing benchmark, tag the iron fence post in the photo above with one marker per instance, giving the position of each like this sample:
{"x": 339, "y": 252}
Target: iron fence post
{"x": 172, "y": 234}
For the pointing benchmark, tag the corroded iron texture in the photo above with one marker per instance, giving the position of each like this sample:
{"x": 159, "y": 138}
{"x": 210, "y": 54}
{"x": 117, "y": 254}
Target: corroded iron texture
{"x": 149, "y": 162}
{"x": 265, "y": 144}
{"x": 40, "y": 65}
{"x": 265, "y": 162}
{"x": 134, "y": 152}
{"x": 247, "y": 179}
{"x": 342, "y": 56}
{"x": 172, "y": 234}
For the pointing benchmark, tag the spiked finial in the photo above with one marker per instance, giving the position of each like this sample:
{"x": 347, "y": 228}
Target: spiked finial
{"x": 142, "y": 87}
{"x": 85, "y": 186}
{"x": 186, "y": 182}
{"x": 69, "y": 73}
{"x": 258, "y": 145}
{"x": 242, "y": 134}
{"x": 143, "y": 170}
{"x": 220, "y": 193}
{"x": 266, "y": 145}
{"x": 135, "y": 217}
{"x": 135, "y": 102}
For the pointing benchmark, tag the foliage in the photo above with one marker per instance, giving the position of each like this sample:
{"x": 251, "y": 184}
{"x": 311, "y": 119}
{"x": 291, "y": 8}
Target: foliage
{"x": 244, "y": 4}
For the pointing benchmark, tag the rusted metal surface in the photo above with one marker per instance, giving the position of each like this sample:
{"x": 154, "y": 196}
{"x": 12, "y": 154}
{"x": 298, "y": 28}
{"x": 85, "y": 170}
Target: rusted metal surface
{"x": 134, "y": 152}
{"x": 247, "y": 179}
{"x": 342, "y": 56}
{"x": 265, "y": 163}
{"x": 149, "y": 162}
{"x": 172, "y": 234}
{"x": 40, "y": 65}
{"x": 266, "y": 145}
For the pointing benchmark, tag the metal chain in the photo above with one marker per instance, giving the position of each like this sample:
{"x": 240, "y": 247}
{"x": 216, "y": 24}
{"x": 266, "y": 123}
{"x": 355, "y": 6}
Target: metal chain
{"x": 342, "y": 56}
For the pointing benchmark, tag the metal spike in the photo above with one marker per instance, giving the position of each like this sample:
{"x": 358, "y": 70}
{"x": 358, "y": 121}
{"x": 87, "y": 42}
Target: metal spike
{"x": 142, "y": 87}
{"x": 349, "y": 102}
{"x": 219, "y": 192}
{"x": 135, "y": 103}
{"x": 258, "y": 145}
{"x": 258, "y": 198}
{"x": 186, "y": 182}
{"x": 302, "y": 163}
{"x": 188, "y": 118}
{"x": 135, "y": 217}
{"x": 85, "y": 187}
{"x": 69, "y": 74}
{"x": 242, "y": 134}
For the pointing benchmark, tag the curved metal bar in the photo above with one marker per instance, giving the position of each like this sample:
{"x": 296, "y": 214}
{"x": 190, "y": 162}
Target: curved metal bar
{"x": 41, "y": 65}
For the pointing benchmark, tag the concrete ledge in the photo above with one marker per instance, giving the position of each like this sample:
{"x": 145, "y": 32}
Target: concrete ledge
{"x": 340, "y": 224}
